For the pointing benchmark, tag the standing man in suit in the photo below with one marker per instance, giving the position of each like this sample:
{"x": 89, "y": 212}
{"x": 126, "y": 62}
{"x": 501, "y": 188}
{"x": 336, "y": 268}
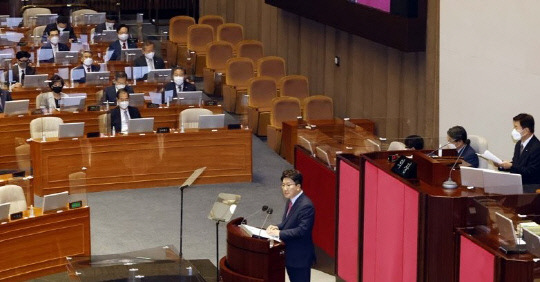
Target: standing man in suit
{"x": 122, "y": 43}
{"x": 179, "y": 84}
{"x": 457, "y": 136}
{"x": 4, "y": 97}
{"x": 22, "y": 68}
{"x": 296, "y": 227}
{"x": 149, "y": 59}
{"x": 110, "y": 24}
{"x": 62, "y": 24}
{"x": 53, "y": 45}
{"x": 79, "y": 72}
{"x": 526, "y": 160}
{"x": 124, "y": 112}
{"x": 120, "y": 82}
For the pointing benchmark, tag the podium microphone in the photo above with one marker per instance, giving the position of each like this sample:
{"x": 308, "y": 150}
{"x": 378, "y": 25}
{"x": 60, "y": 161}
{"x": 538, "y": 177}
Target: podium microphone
{"x": 268, "y": 213}
{"x": 430, "y": 153}
{"x": 451, "y": 184}
{"x": 264, "y": 208}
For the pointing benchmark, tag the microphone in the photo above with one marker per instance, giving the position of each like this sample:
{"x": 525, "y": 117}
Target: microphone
{"x": 451, "y": 184}
{"x": 430, "y": 153}
{"x": 264, "y": 208}
{"x": 268, "y": 213}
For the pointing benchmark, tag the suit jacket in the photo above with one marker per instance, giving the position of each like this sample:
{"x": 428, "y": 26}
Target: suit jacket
{"x": 141, "y": 62}
{"x": 527, "y": 163}
{"x": 47, "y": 100}
{"x": 61, "y": 47}
{"x": 53, "y": 26}
{"x": 109, "y": 93}
{"x": 94, "y": 68}
{"x": 295, "y": 231}
{"x": 4, "y": 96}
{"x": 101, "y": 27}
{"x": 117, "y": 49}
{"x": 29, "y": 70}
{"x": 172, "y": 86}
{"x": 470, "y": 156}
{"x": 116, "y": 119}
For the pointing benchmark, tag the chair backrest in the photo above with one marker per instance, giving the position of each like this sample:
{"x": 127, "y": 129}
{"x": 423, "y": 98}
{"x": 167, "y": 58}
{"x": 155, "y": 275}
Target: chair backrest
{"x": 104, "y": 122}
{"x": 230, "y": 32}
{"x": 217, "y": 54}
{"x": 396, "y": 146}
{"x": 294, "y": 86}
{"x": 261, "y": 90}
{"x": 47, "y": 126}
{"x": 178, "y": 28}
{"x": 212, "y": 20}
{"x": 77, "y": 182}
{"x": 239, "y": 71}
{"x": 37, "y": 33}
{"x": 22, "y": 152}
{"x": 99, "y": 95}
{"x": 318, "y": 107}
{"x": 82, "y": 12}
{"x": 40, "y": 100}
{"x": 252, "y": 49}
{"x": 190, "y": 117}
{"x": 284, "y": 109}
{"x": 199, "y": 35}
{"x": 271, "y": 66}
{"x": 480, "y": 145}
{"x": 14, "y": 195}
{"x": 31, "y": 12}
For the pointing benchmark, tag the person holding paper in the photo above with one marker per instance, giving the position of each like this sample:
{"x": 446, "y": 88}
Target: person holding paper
{"x": 51, "y": 100}
{"x": 149, "y": 59}
{"x": 79, "y": 72}
{"x": 120, "y": 82}
{"x": 62, "y": 24}
{"x": 122, "y": 43}
{"x": 296, "y": 227}
{"x": 4, "y": 96}
{"x": 179, "y": 84}
{"x": 457, "y": 137}
{"x": 110, "y": 23}
{"x": 124, "y": 112}
{"x": 20, "y": 69}
{"x": 48, "y": 50}
{"x": 526, "y": 160}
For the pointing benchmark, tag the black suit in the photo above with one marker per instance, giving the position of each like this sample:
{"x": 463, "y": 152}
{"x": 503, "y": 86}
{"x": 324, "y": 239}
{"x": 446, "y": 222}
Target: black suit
{"x": 109, "y": 93}
{"x": 172, "y": 86}
{"x": 29, "y": 70}
{"x": 295, "y": 231}
{"x": 116, "y": 119}
{"x": 93, "y": 68}
{"x": 527, "y": 163}
{"x": 141, "y": 62}
{"x": 470, "y": 156}
{"x": 101, "y": 27}
{"x": 52, "y": 26}
{"x": 4, "y": 96}
{"x": 116, "y": 47}
{"x": 61, "y": 47}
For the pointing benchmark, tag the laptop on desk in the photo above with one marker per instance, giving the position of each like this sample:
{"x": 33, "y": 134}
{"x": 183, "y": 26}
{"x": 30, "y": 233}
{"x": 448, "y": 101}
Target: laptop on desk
{"x": 35, "y": 81}
{"x": 55, "y": 201}
{"x": 511, "y": 243}
{"x": 16, "y": 107}
{"x": 141, "y": 125}
{"x": 98, "y": 78}
{"x": 71, "y": 130}
{"x": 212, "y": 121}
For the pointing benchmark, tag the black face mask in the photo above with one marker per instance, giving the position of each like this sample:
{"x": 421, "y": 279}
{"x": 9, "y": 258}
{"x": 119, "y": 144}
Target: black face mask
{"x": 57, "y": 89}
{"x": 23, "y": 65}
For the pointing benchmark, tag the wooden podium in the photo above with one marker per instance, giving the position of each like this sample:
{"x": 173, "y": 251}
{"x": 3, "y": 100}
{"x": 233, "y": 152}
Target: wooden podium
{"x": 251, "y": 259}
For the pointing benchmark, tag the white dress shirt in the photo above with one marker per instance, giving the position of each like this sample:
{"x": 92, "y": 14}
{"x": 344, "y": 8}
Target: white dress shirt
{"x": 124, "y": 116}
{"x": 150, "y": 63}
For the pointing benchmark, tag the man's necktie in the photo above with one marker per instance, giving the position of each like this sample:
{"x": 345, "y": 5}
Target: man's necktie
{"x": 22, "y": 76}
{"x": 124, "y": 45}
{"x": 521, "y": 149}
{"x": 88, "y": 69}
{"x": 126, "y": 116}
{"x": 289, "y": 208}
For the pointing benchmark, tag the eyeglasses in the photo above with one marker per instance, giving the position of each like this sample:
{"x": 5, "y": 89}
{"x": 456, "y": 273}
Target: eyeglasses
{"x": 287, "y": 184}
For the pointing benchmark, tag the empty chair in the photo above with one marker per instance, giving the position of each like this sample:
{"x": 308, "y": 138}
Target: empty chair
{"x": 78, "y": 15}
{"x": 294, "y": 86}
{"x": 283, "y": 109}
{"x": 261, "y": 90}
{"x": 177, "y": 45}
{"x": 318, "y": 107}
{"x": 271, "y": 66}
{"x": 14, "y": 195}
{"x": 199, "y": 35}
{"x": 37, "y": 33}
{"x": 217, "y": 54}
{"x": 239, "y": 71}
{"x": 30, "y": 13}
{"x": 230, "y": 32}
{"x": 104, "y": 121}
{"x": 480, "y": 145}
{"x": 252, "y": 49}
{"x": 45, "y": 126}
{"x": 397, "y": 146}
{"x": 212, "y": 20}
{"x": 22, "y": 153}
{"x": 189, "y": 118}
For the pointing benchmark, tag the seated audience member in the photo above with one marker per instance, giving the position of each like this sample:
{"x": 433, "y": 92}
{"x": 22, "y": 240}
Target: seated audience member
{"x": 414, "y": 142}
{"x": 86, "y": 66}
{"x": 457, "y": 136}
{"x": 121, "y": 114}
{"x": 53, "y": 44}
{"x": 51, "y": 100}
{"x": 62, "y": 24}
{"x": 110, "y": 23}
{"x": 120, "y": 82}
{"x": 149, "y": 59}
{"x": 20, "y": 69}
{"x": 122, "y": 43}
{"x": 179, "y": 84}
{"x": 4, "y": 97}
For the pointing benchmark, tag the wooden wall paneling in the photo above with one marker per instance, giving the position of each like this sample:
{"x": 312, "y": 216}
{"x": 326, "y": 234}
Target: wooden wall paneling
{"x": 356, "y": 102}
{"x": 342, "y": 73}
{"x": 431, "y": 103}
{"x": 269, "y": 29}
{"x": 312, "y": 54}
{"x": 282, "y": 21}
{"x": 329, "y": 67}
{"x": 240, "y": 13}
{"x": 378, "y": 59}
{"x": 252, "y": 19}
{"x": 293, "y": 44}
{"x": 393, "y": 83}
{"x": 228, "y": 7}
{"x": 409, "y": 109}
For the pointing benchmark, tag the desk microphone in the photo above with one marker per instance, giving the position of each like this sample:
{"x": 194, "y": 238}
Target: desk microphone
{"x": 268, "y": 213}
{"x": 264, "y": 208}
{"x": 430, "y": 153}
{"x": 451, "y": 184}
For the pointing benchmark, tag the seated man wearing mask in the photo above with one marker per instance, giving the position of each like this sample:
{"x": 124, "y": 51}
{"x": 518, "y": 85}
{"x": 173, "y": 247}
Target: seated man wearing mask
{"x": 457, "y": 136}
{"x": 79, "y": 72}
{"x": 179, "y": 84}
{"x": 109, "y": 24}
{"x": 62, "y": 24}
{"x": 51, "y": 100}
{"x": 120, "y": 82}
{"x": 124, "y": 112}
{"x": 122, "y": 43}
{"x": 20, "y": 69}
{"x": 53, "y": 45}
{"x": 149, "y": 59}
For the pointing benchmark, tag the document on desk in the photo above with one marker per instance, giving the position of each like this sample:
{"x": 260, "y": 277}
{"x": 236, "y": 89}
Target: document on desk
{"x": 490, "y": 157}
{"x": 251, "y": 230}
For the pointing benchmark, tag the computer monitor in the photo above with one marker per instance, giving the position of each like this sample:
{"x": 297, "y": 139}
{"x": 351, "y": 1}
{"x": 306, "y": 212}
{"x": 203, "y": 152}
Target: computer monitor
{"x": 141, "y": 125}
{"x": 129, "y": 55}
{"x": 55, "y": 201}
{"x": 136, "y": 99}
{"x": 502, "y": 183}
{"x": 66, "y": 57}
{"x": 45, "y": 19}
{"x": 106, "y": 36}
{"x": 304, "y": 142}
{"x": 98, "y": 78}
{"x": 472, "y": 177}
{"x": 507, "y": 232}
{"x": 71, "y": 130}
{"x": 532, "y": 240}
{"x": 17, "y": 107}
{"x": 160, "y": 75}
{"x": 323, "y": 155}
{"x": 95, "y": 18}
{"x": 35, "y": 81}
{"x": 212, "y": 121}
{"x": 4, "y": 212}
{"x": 73, "y": 103}
{"x": 188, "y": 98}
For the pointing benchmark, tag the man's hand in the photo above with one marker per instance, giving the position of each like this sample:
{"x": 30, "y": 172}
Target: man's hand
{"x": 505, "y": 165}
{"x": 272, "y": 230}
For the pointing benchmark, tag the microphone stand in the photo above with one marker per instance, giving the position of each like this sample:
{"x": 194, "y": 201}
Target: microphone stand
{"x": 268, "y": 213}
{"x": 186, "y": 184}
{"x": 451, "y": 184}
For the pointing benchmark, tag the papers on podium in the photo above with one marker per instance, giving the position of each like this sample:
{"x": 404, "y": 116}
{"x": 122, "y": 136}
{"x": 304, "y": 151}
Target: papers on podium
{"x": 251, "y": 230}
{"x": 490, "y": 157}
{"x": 492, "y": 181}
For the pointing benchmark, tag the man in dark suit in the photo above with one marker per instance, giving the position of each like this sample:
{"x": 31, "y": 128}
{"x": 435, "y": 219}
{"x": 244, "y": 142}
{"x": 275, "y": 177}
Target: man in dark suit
{"x": 120, "y": 82}
{"x": 54, "y": 45}
{"x": 4, "y": 96}
{"x": 110, "y": 24}
{"x": 22, "y": 68}
{"x": 179, "y": 84}
{"x": 296, "y": 227}
{"x": 62, "y": 24}
{"x": 457, "y": 136}
{"x": 87, "y": 65}
{"x": 122, "y": 43}
{"x": 121, "y": 114}
{"x": 149, "y": 59}
{"x": 526, "y": 160}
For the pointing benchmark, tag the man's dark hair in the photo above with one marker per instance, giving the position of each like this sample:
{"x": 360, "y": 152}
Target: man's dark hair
{"x": 62, "y": 19}
{"x": 87, "y": 51}
{"x": 122, "y": 90}
{"x": 111, "y": 17}
{"x": 120, "y": 27}
{"x": 120, "y": 74}
{"x": 51, "y": 30}
{"x": 414, "y": 142}
{"x": 458, "y": 133}
{"x": 526, "y": 121}
{"x": 179, "y": 68}
{"x": 56, "y": 78}
{"x": 149, "y": 43}
{"x": 22, "y": 54}
{"x": 293, "y": 174}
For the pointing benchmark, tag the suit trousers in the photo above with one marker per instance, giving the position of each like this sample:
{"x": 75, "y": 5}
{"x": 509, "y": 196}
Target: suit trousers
{"x": 299, "y": 274}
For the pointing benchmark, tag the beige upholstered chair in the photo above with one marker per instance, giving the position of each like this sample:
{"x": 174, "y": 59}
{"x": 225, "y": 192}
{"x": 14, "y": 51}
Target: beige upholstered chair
{"x": 217, "y": 54}
{"x": 14, "y": 195}
{"x": 396, "y": 146}
{"x": 230, "y": 32}
{"x": 271, "y": 66}
{"x": 214, "y": 20}
{"x": 199, "y": 35}
{"x": 283, "y": 109}
{"x": 177, "y": 44}
{"x": 189, "y": 118}
{"x": 318, "y": 107}
{"x": 252, "y": 49}
{"x": 261, "y": 90}
{"x": 239, "y": 71}
{"x": 32, "y": 12}
{"x": 480, "y": 145}
{"x": 78, "y": 15}
{"x": 45, "y": 125}
{"x": 294, "y": 86}
{"x": 22, "y": 152}
{"x": 104, "y": 121}
{"x": 37, "y": 33}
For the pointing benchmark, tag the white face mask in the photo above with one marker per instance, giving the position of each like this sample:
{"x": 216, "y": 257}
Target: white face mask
{"x": 109, "y": 25}
{"x": 88, "y": 61}
{"x": 516, "y": 135}
{"x": 179, "y": 80}
{"x": 120, "y": 86}
{"x": 451, "y": 146}
{"x": 123, "y": 105}
{"x": 54, "y": 40}
{"x": 123, "y": 36}
{"x": 60, "y": 28}
{"x": 149, "y": 55}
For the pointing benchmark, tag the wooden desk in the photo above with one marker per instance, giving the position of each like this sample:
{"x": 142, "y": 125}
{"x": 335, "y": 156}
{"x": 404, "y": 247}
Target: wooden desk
{"x": 38, "y": 246}
{"x": 143, "y": 161}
